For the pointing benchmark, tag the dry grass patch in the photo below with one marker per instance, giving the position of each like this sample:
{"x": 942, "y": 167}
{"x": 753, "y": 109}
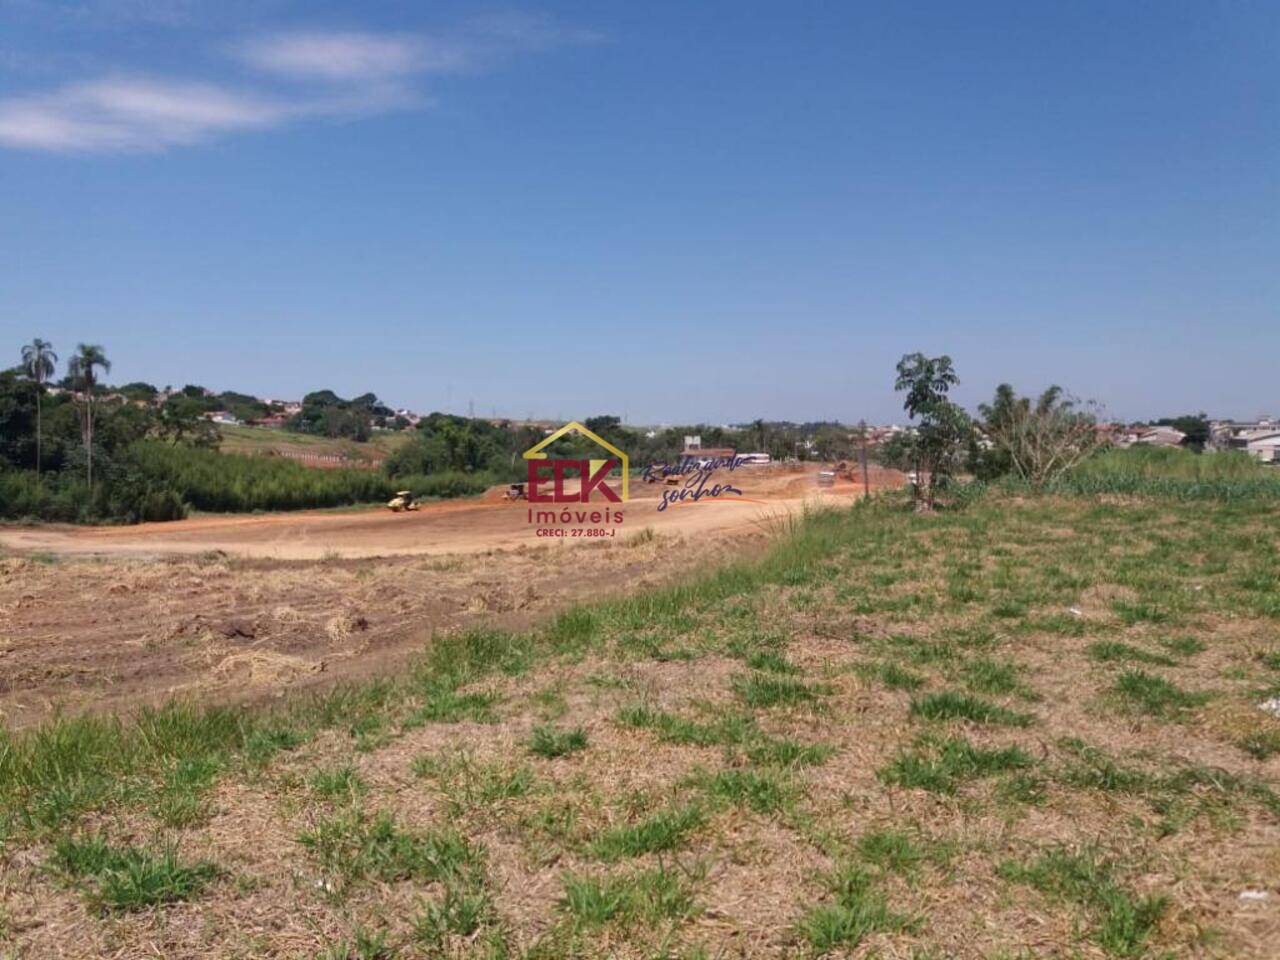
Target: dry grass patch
{"x": 894, "y": 735}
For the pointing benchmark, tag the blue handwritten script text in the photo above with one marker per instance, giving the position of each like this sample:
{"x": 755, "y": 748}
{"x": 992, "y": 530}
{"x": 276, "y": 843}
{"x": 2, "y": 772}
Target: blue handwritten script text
{"x": 696, "y": 473}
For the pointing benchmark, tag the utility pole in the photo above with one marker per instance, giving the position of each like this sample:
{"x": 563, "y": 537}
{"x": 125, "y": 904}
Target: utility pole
{"x": 862, "y": 445}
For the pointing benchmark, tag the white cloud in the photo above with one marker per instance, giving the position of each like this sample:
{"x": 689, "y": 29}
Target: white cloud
{"x": 329, "y": 74}
{"x": 131, "y": 114}
{"x": 351, "y": 56}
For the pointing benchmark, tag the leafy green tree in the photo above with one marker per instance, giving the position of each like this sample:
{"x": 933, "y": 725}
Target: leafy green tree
{"x": 926, "y": 381}
{"x": 1195, "y": 426}
{"x": 39, "y": 361}
{"x": 326, "y": 414}
{"x": 17, "y": 418}
{"x": 943, "y": 439}
{"x": 82, "y": 369}
{"x": 943, "y": 430}
{"x": 181, "y": 419}
{"x": 242, "y": 406}
{"x": 138, "y": 391}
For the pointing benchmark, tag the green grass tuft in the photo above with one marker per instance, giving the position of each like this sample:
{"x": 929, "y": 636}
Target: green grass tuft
{"x": 1261, "y": 745}
{"x": 129, "y": 877}
{"x": 666, "y": 830}
{"x": 1182, "y": 646}
{"x": 763, "y": 792}
{"x": 995, "y": 677}
{"x": 891, "y": 850}
{"x": 731, "y": 729}
{"x": 891, "y": 675}
{"x": 769, "y": 752}
{"x": 352, "y": 847}
{"x": 856, "y": 910}
{"x": 763, "y": 690}
{"x": 1153, "y": 695}
{"x": 1134, "y": 613}
{"x": 1123, "y": 922}
{"x": 337, "y": 783}
{"x": 950, "y": 705}
{"x": 549, "y": 742}
{"x": 636, "y": 899}
{"x": 941, "y": 766}
{"x": 460, "y": 912}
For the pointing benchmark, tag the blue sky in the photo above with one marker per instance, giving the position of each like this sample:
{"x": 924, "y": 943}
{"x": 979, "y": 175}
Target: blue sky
{"x": 672, "y": 211}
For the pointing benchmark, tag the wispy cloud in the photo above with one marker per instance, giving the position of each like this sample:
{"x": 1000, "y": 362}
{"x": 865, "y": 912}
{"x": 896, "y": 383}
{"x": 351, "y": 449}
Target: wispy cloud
{"x": 350, "y": 56}
{"x": 292, "y": 76}
{"x": 130, "y": 114}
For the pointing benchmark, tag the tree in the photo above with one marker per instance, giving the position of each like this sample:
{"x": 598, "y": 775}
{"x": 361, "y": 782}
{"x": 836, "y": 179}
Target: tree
{"x": 39, "y": 361}
{"x": 327, "y": 414}
{"x": 926, "y": 381}
{"x": 17, "y": 419}
{"x": 1037, "y": 441}
{"x": 138, "y": 391}
{"x": 944, "y": 428}
{"x": 82, "y": 371}
{"x": 1194, "y": 426}
{"x": 182, "y": 418}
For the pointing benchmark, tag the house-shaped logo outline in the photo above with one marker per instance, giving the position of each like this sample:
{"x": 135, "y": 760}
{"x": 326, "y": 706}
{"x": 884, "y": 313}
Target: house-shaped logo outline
{"x": 535, "y": 452}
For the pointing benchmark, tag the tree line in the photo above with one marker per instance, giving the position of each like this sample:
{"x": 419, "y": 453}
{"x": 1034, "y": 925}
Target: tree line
{"x": 77, "y": 450}
{"x": 74, "y": 449}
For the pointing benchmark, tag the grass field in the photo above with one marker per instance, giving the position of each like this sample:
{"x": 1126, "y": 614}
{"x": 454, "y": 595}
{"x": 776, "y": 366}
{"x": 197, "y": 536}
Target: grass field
{"x": 1028, "y": 728}
{"x": 262, "y": 440}
{"x": 1173, "y": 472}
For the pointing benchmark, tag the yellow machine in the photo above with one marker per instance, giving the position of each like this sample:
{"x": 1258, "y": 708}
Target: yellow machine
{"x": 403, "y": 500}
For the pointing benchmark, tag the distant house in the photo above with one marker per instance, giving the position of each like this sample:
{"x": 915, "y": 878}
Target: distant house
{"x": 1265, "y": 447}
{"x": 1151, "y": 437}
{"x": 1258, "y": 438}
{"x": 222, "y": 416}
{"x": 276, "y": 420}
{"x": 708, "y": 453}
{"x": 1108, "y": 434}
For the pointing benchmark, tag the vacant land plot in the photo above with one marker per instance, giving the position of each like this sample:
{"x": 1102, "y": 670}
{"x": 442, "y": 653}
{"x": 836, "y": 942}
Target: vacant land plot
{"x": 1031, "y": 728}
{"x": 311, "y": 450}
{"x": 441, "y": 528}
{"x": 118, "y": 632}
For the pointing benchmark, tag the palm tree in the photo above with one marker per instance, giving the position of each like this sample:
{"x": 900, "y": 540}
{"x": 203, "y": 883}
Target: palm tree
{"x": 38, "y": 361}
{"x": 758, "y": 427}
{"x": 84, "y": 379}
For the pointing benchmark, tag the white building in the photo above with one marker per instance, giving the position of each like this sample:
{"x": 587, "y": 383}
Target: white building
{"x": 1265, "y": 447}
{"x": 1259, "y": 438}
